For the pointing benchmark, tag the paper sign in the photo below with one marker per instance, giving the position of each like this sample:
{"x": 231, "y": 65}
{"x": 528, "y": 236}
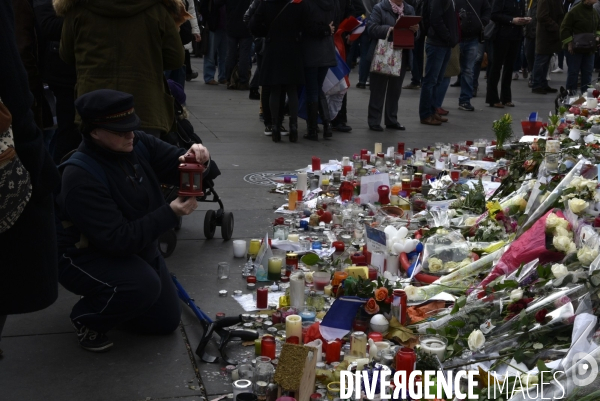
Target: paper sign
{"x": 369, "y": 185}
{"x": 375, "y": 239}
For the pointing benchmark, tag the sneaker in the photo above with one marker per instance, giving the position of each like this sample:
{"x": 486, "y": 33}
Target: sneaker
{"x": 466, "y": 107}
{"x": 193, "y": 75}
{"x": 91, "y": 340}
{"x": 268, "y": 131}
{"x": 412, "y": 86}
{"x": 283, "y": 130}
{"x": 515, "y": 76}
{"x": 557, "y": 70}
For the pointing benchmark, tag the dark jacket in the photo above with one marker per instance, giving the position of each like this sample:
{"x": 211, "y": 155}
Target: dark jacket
{"x": 475, "y": 17}
{"x": 93, "y": 40}
{"x": 282, "y": 61}
{"x": 359, "y": 8}
{"x": 580, "y": 19}
{"x": 128, "y": 217}
{"x": 28, "y": 276}
{"x": 443, "y": 23}
{"x": 530, "y": 29}
{"x": 235, "y": 10}
{"x": 549, "y": 18}
{"x": 503, "y": 11}
{"x": 317, "y": 43}
{"x": 381, "y": 19}
{"x": 210, "y": 14}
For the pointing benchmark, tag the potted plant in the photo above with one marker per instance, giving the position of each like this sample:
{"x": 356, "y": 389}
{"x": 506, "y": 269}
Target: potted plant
{"x": 503, "y": 130}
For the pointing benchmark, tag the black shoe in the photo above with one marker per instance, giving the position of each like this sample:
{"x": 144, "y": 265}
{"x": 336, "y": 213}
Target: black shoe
{"x": 311, "y": 121}
{"x": 193, "y": 75}
{"x": 275, "y": 133}
{"x": 466, "y": 107}
{"x": 293, "y": 129}
{"x": 92, "y": 340}
{"x": 341, "y": 127}
{"x": 456, "y": 84}
{"x": 550, "y": 90}
{"x": 377, "y": 128}
{"x": 360, "y": 85}
{"x": 254, "y": 94}
{"x": 324, "y": 113}
{"x": 539, "y": 91}
{"x": 396, "y": 126}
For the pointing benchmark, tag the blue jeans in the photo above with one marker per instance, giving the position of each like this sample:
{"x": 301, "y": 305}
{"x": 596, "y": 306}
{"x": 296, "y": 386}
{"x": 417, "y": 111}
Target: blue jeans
{"x": 314, "y": 82}
{"x": 217, "y": 55}
{"x": 366, "y": 56}
{"x": 437, "y": 60}
{"x": 468, "y": 55}
{"x": 416, "y": 70}
{"x": 540, "y": 70}
{"x": 244, "y": 46}
{"x": 440, "y": 92}
{"x": 583, "y": 63}
{"x": 177, "y": 75}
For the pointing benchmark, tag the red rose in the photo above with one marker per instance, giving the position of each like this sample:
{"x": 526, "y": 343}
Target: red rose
{"x": 517, "y": 307}
{"x": 509, "y": 316}
{"x": 499, "y": 216}
{"x": 540, "y": 316}
{"x": 389, "y": 300}
{"x": 371, "y": 306}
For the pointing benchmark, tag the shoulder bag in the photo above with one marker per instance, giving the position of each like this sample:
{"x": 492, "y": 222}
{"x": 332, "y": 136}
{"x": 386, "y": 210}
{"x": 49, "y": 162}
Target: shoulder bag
{"x": 15, "y": 184}
{"x": 386, "y": 59}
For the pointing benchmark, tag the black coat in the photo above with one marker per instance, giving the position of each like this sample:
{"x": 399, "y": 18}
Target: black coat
{"x": 28, "y": 275}
{"x": 550, "y": 15}
{"x": 234, "y": 11}
{"x": 503, "y": 11}
{"x": 476, "y": 17}
{"x": 317, "y": 42}
{"x": 128, "y": 217}
{"x": 282, "y": 61}
{"x": 443, "y": 23}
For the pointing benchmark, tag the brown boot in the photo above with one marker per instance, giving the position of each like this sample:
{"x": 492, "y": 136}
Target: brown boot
{"x": 440, "y": 118}
{"x": 431, "y": 120}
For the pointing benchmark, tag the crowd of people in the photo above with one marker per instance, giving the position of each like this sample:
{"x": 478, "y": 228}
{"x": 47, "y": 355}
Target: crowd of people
{"x": 116, "y": 73}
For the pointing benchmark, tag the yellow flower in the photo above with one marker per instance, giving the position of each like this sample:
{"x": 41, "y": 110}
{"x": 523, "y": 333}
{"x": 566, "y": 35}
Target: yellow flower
{"x": 493, "y": 208}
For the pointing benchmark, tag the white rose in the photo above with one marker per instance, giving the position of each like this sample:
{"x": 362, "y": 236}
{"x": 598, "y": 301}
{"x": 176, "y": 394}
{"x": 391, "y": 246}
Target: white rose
{"x": 553, "y": 221}
{"x": 563, "y": 232}
{"x": 572, "y": 248}
{"x": 476, "y": 340}
{"x": 516, "y": 294}
{"x": 529, "y": 380}
{"x": 562, "y": 243}
{"x": 591, "y": 185}
{"x": 414, "y": 294}
{"x": 451, "y": 213}
{"x": 470, "y": 221}
{"x": 434, "y": 264}
{"x": 577, "y": 205}
{"x": 576, "y": 182}
{"x": 586, "y": 255}
{"x": 559, "y": 270}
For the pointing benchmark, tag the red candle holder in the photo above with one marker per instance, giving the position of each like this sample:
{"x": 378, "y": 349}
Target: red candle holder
{"x": 293, "y": 340}
{"x": 339, "y": 246}
{"x": 346, "y": 191}
{"x": 358, "y": 259}
{"x": 332, "y": 352}
{"x": 384, "y": 194}
{"x": 251, "y": 279}
{"x": 346, "y": 170}
{"x": 363, "y": 152}
{"x": 373, "y": 273}
{"x": 262, "y": 297}
{"x": 267, "y": 346}
{"x": 455, "y": 175}
{"x": 316, "y": 163}
{"x": 401, "y": 147}
{"x": 406, "y": 358}
{"x": 375, "y": 336}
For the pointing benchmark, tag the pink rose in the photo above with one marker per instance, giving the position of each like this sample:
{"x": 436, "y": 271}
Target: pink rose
{"x": 371, "y": 306}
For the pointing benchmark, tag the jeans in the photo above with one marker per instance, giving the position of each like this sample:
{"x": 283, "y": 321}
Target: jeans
{"x": 583, "y": 63}
{"x": 530, "y": 56}
{"x": 477, "y": 66}
{"x": 561, "y": 59}
{"x": 468, "y": 55}
{"x": 437, "y": 60}
{"x": 366, "y": 56}
{"x": 177, "y": 75}
{"x": 245, "y": 49}
{"x": 519, "y": 61}
{"x": 314, "y": 82}
{"x": 504, "y": 54}
{"x": 440, "y": 92}
{"x": 416, "y": 71}
{"x": 217, "y": 54}
{"x": 540, "y": 71}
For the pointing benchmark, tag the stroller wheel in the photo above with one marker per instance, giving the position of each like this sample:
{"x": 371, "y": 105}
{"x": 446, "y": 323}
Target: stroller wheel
{"x": 167, "y": 243}
{"x": 210, "y": 224}
{"x": 227, "y": 225}
{"x": 179, "y": 223}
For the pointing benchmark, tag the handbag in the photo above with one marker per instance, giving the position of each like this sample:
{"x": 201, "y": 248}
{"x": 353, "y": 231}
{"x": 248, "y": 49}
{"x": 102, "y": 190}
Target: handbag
{"x": 584, "y": 43}
{"x": 15, "y": 184}
{"x": 386, "y": 59}
{"x": 490, "y": 30}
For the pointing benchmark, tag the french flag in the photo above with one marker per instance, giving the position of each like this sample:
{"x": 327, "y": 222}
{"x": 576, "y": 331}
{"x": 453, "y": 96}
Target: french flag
{"x": 356, "y": 32}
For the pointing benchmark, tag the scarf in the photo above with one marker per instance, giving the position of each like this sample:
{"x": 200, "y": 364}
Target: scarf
{"x": 397, "y": 9}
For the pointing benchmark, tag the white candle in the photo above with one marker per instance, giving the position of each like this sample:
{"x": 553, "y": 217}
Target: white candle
{"x": 345, "y": 161}
{"x": 434, "y": 345}
{"x": 378, "y": 147}
{"x": 293, "y": 238}
{"x": 592, "y": 102}
{"x": 328, "y": 289}
{"x": 390, "y": 151}
{"x": 318, "y": 344}
{"x": 391, "y": 264}
{"x": 239, "y": 248}
{"x": 293, "y": 327}
{"x": 297, "y": 290}
{"x": 301, "y": 182}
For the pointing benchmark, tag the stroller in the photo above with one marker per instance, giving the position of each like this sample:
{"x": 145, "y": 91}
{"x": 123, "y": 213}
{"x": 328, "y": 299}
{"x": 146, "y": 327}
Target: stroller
{"x": 182, "y": 135}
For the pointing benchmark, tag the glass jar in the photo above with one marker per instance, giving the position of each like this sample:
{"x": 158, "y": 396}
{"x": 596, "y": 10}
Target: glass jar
{"x": 418, "y": 202}
{"x": 358, "y": 344}
{"x": 315, "y": 300}
{"x": 263, "y": 374}
{"x": 403, "y": 202}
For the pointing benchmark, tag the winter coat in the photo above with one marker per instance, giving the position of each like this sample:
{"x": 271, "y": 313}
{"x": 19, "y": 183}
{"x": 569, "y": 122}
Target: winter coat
{"x": 381, "y": 19}
{"x": 210, "y": 14}
{"x": 580, "y": 19}
{"x": 282, "y": 59}
{"x": 531, "y": 27}
{"x": 368, "y": 5}
{"x": 476, "y": 16}
{"x": 124, "y": 45}
{"x": 235, "y": 10}
{"x": 549, "y": 17}
{"x": 317, "y": 43}
{"x": 503, "y": 12}
{"x": 443, "y": 23}
{"x": 28, "y": 272}
{"x": 128, "y": 217}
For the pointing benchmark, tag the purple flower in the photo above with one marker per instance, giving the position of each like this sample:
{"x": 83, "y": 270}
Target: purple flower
{"x": 562, "y": 301}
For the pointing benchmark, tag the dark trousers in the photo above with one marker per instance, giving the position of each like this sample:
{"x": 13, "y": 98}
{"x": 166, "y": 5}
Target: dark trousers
{"x": 366, "y": 57}
{"x": 530, "y": 56}
{"x": 265, "y": 99}
{"x": 314, "y": 82}
{"x": 67, "y": 136}
{"x": 417, "y": 61}
{"x": 540, "y": 71}
{"x": 123, "y": 291}
{"x": 277, "y": 101}
{"x": 188, "y": 62}
{"x": 505, "y": 52}
{"x": 577, "y": 63}
{"x": 342, "y": 115}
{"x": 177, "y": 75}
{"x": 388, "y": 89}
{"x": 243, "y": 47}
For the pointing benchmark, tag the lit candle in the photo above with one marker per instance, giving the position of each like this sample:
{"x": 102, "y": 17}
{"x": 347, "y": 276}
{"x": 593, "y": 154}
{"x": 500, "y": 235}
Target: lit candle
{"x": 325, "y": 180}
{"x": 434, "y": 345}
{"x": 378, "y": 147}
{"x": 301, "y": 181}
{"x": 293, "y": 238}
{"x": 293, "y": 326}
{"x": 327, "y": 290}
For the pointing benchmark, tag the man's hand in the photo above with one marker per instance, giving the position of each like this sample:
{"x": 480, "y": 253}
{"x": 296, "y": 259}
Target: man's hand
{"x": 184, "y": 206}
{"x": 520, "y": 21}
{"x": 571, "y": 47}
{"x": 414, "y": 28}
{"x": 197, "y": 37}
{"x": 201, "y": 153}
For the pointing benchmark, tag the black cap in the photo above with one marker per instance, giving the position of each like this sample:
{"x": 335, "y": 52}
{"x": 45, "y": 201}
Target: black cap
{"x": 109, "y": 109}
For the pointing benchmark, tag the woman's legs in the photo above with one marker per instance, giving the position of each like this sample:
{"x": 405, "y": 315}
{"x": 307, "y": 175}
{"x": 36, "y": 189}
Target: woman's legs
{"x": 312, "y": 89}
{"x": 292, "y": 93}
{"x": 574, "y": 66}
{"x": 587, "y": 69}
{"x": 394, "y": 89}
{"x": 512, "y": 53}
{"x": 378, "y": 88}
{"x": 274, "y": 103}
{"x": 499, "y": 49}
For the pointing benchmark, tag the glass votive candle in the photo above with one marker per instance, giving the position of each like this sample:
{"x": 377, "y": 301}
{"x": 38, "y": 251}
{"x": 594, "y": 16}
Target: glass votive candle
{"x": 223, "y": 270}
{"x": 251, "y": 279}
{"x": 320, "y": 280}
{"x": 434, "y": 345}
{"x": 308, "y": 314}
{"x": 239, "y": 248}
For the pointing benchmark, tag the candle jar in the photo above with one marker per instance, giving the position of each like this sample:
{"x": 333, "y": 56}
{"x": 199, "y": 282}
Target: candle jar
{"x": 332, "y": 352}
{"x": 316, "y": 163}
{"x": 263, "y": 374}
{"x": 339, "y": 277}
{"x": 293, "y": 326}
{"x": 316, "y": 300}
{"x": 384, "y": 194}
{"x": 418, "y": 202}
{"x": 241, "y": 386}
{"x": 267, "y": 345}
{"x": 358, "y": 344}
{"x": 254, "y": 248}
{"x": 406, "y": 360}
{"x": 275, "y": 264}
{"x": 320, "y": 280}
{"x": 262, "y": 297}
{"x": 308, "y": 314}
{"x": 333, "y": 391}
{"x": 434, "y": 345}
{"x": 346, "y": 191}
{"x": 281, "y": 232}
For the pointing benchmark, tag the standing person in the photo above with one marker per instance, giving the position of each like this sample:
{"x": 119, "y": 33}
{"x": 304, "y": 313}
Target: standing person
{"x": 384, "y": 87}
{"x": 475, "y": 15}
{"x": 216, "y": 54}
{"x": 549, "y": 18}
{"x": 319, "y": 54}
{"x": 135, "y": 66}
{"x": 239, "y": 42}
{"x": 281, "y": 24}
{"x": 442, "y": 36}
{"x": 29, "y": 276}
{"x": 580, "y": 19}
{"x": 418, "y": 52}
{"x": 508, "y": 15}
{"x": 367, "y": 47}
{"x": 530, "y": 34}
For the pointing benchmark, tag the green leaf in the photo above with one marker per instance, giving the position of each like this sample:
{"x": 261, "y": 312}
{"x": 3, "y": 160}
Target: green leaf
{"x": 457, "y": 323}
{"x": 431, "y": 331}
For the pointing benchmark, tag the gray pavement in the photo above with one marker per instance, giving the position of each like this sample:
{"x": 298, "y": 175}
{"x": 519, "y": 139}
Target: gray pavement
{"x": 41, "y": 357}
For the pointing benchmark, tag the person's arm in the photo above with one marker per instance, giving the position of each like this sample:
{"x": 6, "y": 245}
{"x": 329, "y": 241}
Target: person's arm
{"x": 543, "y": 16}
{"x": 164, "y": 158}
{"x": 194, "y": 20}
{"x": 486, "y": 12}
{"x": 172, "y": 50}
{"x": 498, "y": 13}
{"x": 566, "y": 29}
{"x": 47, "y": 19}
{"x": 436, "y": 20}
{"x": 375, "y": 26}
{"x": 257, "y": 22}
